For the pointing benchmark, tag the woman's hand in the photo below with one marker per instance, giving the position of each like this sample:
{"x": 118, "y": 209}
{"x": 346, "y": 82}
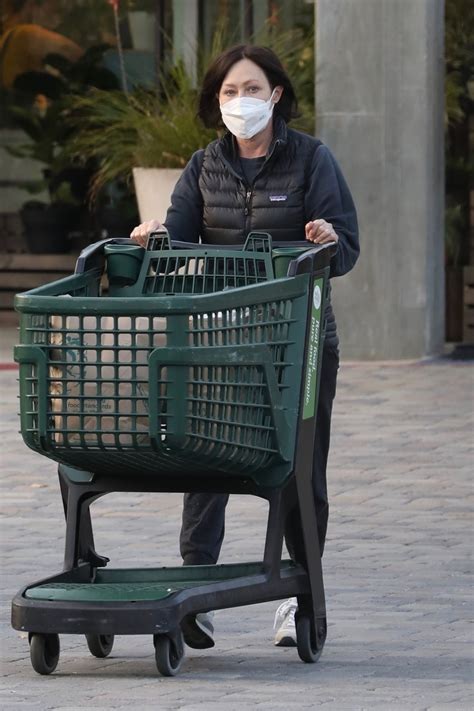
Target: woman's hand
{"x": 141, "y": 232}
{"x": 320, "y": 232}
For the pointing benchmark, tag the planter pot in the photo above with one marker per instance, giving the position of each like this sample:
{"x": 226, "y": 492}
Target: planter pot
{"x": 46, "y": 227}
{"x": 153, "y": 188}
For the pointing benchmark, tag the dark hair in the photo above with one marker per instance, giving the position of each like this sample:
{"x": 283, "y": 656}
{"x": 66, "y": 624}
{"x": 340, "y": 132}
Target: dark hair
{"x": 267, "y": 60}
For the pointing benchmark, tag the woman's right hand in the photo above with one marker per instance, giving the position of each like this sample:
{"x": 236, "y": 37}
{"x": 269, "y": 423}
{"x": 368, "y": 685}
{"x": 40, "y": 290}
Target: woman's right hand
{"x": 140, "y": 232}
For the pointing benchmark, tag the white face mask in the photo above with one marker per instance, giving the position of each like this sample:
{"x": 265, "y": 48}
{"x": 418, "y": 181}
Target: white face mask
{"x": 246, "y": 116}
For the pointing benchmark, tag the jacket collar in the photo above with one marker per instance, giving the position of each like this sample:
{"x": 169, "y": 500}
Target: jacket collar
{"x": 228, "y": 145}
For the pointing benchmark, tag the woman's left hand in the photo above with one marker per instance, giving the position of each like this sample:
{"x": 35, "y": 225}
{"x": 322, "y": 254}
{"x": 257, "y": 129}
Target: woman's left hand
{"x": 320, "y": 232}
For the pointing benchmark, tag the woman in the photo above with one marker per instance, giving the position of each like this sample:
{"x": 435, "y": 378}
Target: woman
{"x": 260, "y": 175}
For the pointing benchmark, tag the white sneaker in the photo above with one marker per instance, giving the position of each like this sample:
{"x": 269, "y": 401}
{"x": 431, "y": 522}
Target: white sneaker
{"x": 285, "y": 622}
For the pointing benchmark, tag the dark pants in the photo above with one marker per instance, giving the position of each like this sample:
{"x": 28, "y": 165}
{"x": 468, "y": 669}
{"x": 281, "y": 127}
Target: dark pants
{"x": 203, "y": 526}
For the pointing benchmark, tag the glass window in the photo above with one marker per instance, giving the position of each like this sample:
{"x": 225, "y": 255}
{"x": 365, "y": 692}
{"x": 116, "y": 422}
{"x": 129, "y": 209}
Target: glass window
{"x": 52, "y": 48}
{"x": 48, "y": 49}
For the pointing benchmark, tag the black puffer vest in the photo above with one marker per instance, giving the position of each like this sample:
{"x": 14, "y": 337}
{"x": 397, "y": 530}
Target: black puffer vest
{"x": 273, "y": 203}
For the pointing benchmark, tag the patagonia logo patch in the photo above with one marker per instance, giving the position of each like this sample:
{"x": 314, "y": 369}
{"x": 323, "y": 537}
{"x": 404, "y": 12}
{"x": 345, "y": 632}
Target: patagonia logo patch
{"x": 278, "y": 198}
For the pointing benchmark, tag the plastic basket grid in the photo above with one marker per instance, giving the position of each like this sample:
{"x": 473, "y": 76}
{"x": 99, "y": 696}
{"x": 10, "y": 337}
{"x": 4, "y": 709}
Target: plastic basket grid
{"x": 202, "y": 275}
{"x": 170, "y": 271}
{"x": 227, "y": 411}
{"x": 96, "y": 398}
{"x": 98, "y": 379}
{"x": 97, "y": 393}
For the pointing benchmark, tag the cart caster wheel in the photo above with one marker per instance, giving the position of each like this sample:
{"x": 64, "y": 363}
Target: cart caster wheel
{"x": 305, "y": 642}
{"x": 100, "y": 645}
{"x": 44, "y": 652}
{"x": 169, "y": 653}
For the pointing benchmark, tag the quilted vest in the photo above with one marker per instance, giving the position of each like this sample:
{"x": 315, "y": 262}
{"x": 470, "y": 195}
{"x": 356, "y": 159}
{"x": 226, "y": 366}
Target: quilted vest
{"x": 274, "y": 202}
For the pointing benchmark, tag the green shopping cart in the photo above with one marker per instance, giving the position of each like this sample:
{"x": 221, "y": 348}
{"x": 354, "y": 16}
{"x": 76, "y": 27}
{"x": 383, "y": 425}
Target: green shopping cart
{"x": 175, "y": 368}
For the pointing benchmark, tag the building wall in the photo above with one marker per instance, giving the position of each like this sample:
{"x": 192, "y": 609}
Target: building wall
{"x": 379, "y": 105}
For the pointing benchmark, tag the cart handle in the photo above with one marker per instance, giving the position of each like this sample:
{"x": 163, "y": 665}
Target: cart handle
{"x": 316, "y": 257}
{"x": 312, "y": 260}
{"x": 92, "y": 256}
{"x": 197, "y": 245}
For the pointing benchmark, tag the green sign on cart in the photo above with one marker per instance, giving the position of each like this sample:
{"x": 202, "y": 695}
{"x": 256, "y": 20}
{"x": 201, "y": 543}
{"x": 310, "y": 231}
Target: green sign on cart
{"x": 311, "y": 375}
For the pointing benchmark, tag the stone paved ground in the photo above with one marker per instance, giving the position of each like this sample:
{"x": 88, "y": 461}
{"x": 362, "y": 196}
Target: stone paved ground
{"x": 397, "y": 568}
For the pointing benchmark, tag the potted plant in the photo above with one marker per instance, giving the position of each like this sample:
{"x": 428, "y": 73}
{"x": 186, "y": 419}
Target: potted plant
{"x": 144, "y": 134}
{"x": 35, "y": 106}
{"x": 149, "y": 135}
{"x": 46, "y": 224}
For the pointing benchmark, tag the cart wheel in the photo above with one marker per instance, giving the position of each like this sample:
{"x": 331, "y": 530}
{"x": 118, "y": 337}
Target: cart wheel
{"x": 100, "y": 645}
{"x": 44, "y": 652}
{"x": 169, "y": 654}
{"x": 305, "y": 642}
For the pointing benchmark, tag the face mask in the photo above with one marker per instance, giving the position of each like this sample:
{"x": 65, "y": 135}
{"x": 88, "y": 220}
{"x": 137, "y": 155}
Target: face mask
{"x": 246, "y": 116}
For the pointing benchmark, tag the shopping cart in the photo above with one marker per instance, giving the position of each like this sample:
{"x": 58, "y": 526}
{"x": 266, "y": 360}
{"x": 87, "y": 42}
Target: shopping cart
{"x": 186, "y": 368}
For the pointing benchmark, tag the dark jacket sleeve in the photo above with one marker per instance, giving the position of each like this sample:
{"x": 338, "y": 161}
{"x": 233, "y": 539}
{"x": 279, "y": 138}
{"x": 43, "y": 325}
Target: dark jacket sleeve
{"x": 184, "y": 216}
{"x": 328, "y": 198}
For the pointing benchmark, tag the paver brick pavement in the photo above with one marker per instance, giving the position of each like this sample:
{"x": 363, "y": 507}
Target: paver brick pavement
{"x": 398, "y": 566}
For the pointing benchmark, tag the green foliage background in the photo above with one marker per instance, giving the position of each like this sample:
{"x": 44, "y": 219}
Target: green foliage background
{"x": 159, "y": 128}
{"x": 459, "y": 105}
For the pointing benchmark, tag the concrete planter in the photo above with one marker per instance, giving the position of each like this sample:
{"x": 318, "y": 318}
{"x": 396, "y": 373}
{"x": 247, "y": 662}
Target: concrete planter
{"x": 153, "y": 188}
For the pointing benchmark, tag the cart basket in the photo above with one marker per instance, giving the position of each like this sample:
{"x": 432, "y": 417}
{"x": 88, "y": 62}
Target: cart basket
{"x": 191, "y": 361}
